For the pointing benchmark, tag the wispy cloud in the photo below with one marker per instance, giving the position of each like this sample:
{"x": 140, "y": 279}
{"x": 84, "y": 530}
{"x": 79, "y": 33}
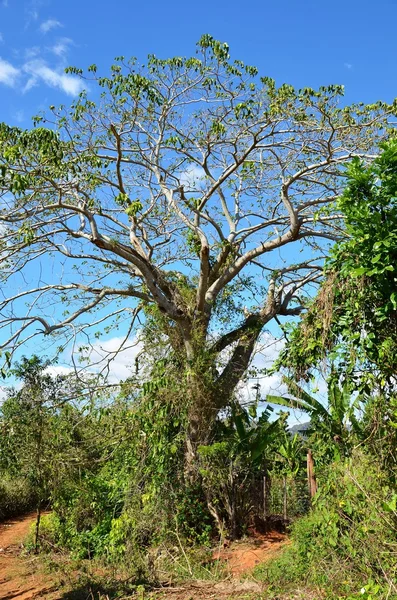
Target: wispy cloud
{"x": 32, "y": 12}
{"x": 4, "y": 4}
{"x": 122, "y": 358}
{"x": 8, "y": 73}
{"x": 1, "y": 38}
{"x": 348, "y": 65}
{"x": 19, "y": 116}
{"x": 39, "y": 71}
{"x": 61, "y": 47}
{"x": 113, "y": 358}
{"x": 49, "y": 24}
{"x": 32, "y": 52}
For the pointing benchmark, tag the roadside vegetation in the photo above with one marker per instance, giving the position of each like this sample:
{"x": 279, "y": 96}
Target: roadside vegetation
{"x": 195, "y": 205}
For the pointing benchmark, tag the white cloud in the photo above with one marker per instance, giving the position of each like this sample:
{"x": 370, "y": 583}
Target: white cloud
{"x": 31, "y": 83}
{"x": 61, "y": 47}
{"x": 32, "y": 12}
{"x": 40, "y": 71}
{"x": 122, "y": 364}
{"x": 55, "y": 370}
{"x": 104, "y": 358}
{"x": 49, "y": 24}
{"x": 348, "y": 65}
{"x": 192, "y": 177}
{"x": 8, "y": 73}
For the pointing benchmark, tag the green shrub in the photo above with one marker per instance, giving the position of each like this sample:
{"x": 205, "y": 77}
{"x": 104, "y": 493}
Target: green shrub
{"x": 16, "y": 497}
{"x": 348, "y": 540}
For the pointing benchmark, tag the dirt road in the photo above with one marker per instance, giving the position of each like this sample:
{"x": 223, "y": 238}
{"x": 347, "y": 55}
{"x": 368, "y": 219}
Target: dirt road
{"x": 19, "y": 577}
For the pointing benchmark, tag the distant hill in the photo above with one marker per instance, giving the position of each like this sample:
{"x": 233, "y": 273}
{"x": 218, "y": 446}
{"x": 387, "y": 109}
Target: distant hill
{"x": 300, "y": 428}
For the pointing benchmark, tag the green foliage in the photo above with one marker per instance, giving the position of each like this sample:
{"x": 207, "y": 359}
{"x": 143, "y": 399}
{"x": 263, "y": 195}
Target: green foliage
{"x": 192, "y": 517}
{"x": 335, "y": 428}
{"x": 380, "y": 432}
{"x": 290, "y": 451}
{"x": 127, "y": 491}
{"x": 353, "y": 320}
{"x": 347, "y": 540}
{"x": 16, "y": 496}
{"x": 28, "y": 436}
{"x": 231, "y": 467}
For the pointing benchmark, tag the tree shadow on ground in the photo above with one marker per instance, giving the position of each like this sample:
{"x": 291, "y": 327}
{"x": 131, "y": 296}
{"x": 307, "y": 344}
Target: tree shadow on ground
{"x": 91, "y": 592}
{"x": 100, "y": 590}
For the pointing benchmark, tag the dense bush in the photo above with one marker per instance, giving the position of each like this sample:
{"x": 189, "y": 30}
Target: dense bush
{"x": 16, "y": 497}
{"x": 348, "y": 540}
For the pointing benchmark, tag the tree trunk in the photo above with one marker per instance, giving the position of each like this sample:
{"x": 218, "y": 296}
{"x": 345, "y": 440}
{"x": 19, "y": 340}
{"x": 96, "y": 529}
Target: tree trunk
{"x": 200, "y": 422}
{"x": 208, "y": 392}
{"x": 37, "y": 528}
{"x": 203, "y": 411}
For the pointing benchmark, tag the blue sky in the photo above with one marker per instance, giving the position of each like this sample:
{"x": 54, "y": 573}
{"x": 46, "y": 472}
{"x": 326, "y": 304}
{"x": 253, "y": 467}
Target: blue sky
{"x": 304, "y": 43}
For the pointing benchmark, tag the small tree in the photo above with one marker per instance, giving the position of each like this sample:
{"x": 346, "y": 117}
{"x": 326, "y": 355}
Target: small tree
{"x": 232, "y": 467}
{"x": 32, "y": 435}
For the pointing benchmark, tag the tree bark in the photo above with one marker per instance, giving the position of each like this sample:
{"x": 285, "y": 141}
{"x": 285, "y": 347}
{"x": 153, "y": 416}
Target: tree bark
{"x": 209, "y": 392}
{"x": 37, "y": 527}
{"x": 202, "y": 413}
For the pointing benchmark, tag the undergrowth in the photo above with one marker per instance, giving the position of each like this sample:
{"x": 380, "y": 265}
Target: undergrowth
{"x": 16, "y": 497}
{"x": 347, "y": 544}
{"x": 165, "y": 564}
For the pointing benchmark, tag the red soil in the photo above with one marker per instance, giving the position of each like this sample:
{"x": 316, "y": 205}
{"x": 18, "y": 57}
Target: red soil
{"x": 19, "y": 579}
{"x": 243, "y": 556}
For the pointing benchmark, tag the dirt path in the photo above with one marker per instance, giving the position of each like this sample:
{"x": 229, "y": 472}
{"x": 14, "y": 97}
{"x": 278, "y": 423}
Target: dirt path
{"x": 22, "y": 579}
{"x": 243, "y": 556}
{"x": 19, "y": 576}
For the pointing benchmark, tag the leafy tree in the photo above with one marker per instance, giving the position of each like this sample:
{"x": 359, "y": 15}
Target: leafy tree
{"x": 352, "y": 323}
{"x": 175, "y": 194}
{"x": 37, "y": 439}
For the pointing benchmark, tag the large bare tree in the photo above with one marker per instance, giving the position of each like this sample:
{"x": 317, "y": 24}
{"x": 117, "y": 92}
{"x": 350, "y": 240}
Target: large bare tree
{"x": 190, "y": 188}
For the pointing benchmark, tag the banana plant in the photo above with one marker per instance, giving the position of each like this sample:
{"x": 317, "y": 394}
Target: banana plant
{"x": 290, "y": 452}
{"x": 256, "y": 434}
{"x": 338, "y": 420}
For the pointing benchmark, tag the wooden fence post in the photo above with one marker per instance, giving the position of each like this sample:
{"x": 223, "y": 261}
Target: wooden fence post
{"x": 285, "y": 498}
{"x": 311, "y": 478}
